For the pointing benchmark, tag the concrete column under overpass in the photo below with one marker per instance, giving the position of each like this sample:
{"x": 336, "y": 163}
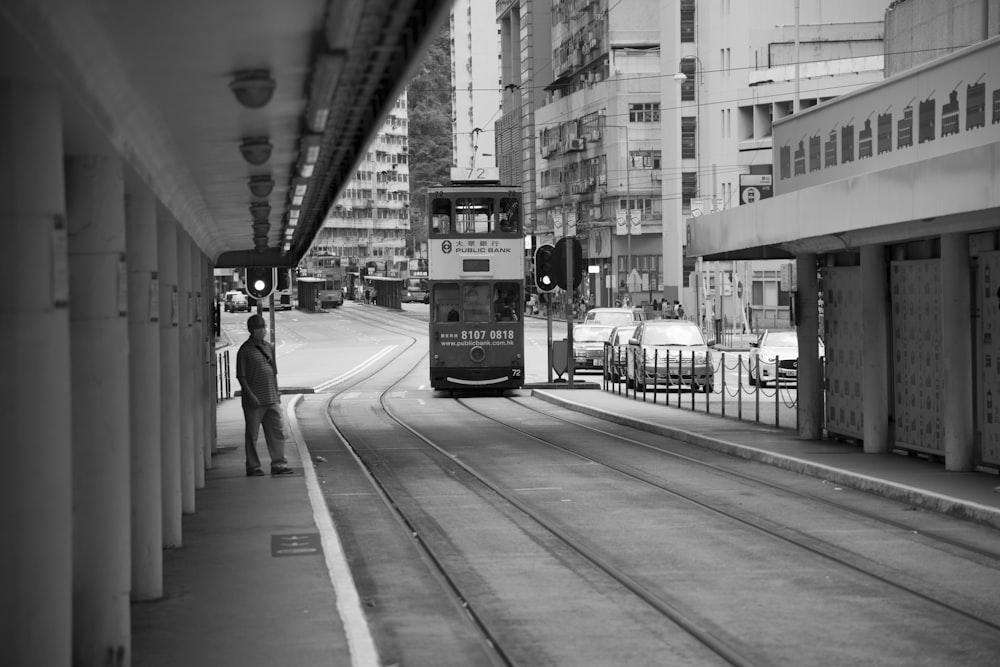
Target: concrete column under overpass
{"x": 810, "y": 410}
{"x": 197, "y": 364}
{"x": 36, "y": 561}
{"x": 956, "y": 353}
{"x": 170, "y": 392}
{"x": 99, "y": 349}
{"x": 211, "y": 445}
{"x": 144, "y": 392}
{"x": 188, "y": 399}
{"x": 875, "y": 320}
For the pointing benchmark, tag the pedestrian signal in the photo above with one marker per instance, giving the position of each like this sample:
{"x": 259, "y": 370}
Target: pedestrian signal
{"x": 545, "y": 268}
{"x": 260, "y": 281}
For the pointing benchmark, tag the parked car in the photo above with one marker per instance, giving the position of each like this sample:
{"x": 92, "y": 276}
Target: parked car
{"x": 618, "y": 346}
{"x": 776, "y": 354}
{"x": 236, "y": 301}
{"x": 669, "y": 352}
{"x": 614, "y": 316}
{"x": 588, "y": 346}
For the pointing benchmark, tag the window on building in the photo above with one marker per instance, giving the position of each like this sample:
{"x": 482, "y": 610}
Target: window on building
{"x": 644, "y": 112}
{"x": 689, "y": 136}
{"x": 644, "y": 159}
{"x": 689, "y": 188}
{"x": 687, "y": 20}
{"x": 687, "y": 86}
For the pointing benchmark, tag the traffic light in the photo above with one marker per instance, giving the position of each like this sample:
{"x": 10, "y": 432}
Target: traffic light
{"x": 560, "y": 256}
{"x": 283, "y": 282}
{"x": 545, "y": 268}
{"x": 260, "y": 281}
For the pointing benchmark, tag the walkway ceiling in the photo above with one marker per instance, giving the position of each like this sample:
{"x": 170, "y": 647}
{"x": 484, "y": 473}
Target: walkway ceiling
{"x": 153, "y": 83}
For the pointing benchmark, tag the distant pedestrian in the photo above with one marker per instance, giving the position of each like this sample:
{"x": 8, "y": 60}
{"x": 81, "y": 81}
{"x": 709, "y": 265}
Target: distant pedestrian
{"x": 257, "y": 373}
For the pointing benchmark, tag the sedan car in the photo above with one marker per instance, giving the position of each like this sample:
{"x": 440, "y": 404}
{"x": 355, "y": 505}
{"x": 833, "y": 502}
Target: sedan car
{"x": 614, "y": 316}
{"x": 669, "y": 352}
{"x": 617, "y": 348}
{"x": 236, "y": 302}
{"x": 775, "y": 356}
{"x": 588, "y": 346}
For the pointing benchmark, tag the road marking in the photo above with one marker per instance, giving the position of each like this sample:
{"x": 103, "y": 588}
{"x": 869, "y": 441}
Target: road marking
{"x": 354, "y": 371}
{"x": 360, "y": 643}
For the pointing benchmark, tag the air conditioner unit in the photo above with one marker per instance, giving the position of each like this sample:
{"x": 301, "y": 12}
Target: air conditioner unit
{"x": 546, "y": 151}
{"x": 602, "y": 179}
{"x": 595, "y": 135}
{"x": 577, "y": 144}
{"x": 593, "y": 43}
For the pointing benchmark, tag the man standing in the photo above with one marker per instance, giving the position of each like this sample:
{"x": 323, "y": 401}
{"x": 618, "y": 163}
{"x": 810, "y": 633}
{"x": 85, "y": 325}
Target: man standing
{"x": 258, "y": 376}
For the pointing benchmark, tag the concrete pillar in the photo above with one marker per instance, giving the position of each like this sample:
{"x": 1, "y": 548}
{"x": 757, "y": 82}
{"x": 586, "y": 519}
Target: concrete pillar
{"x": 957, "y": 372}
{"x": 36, "y": 496}
{"x": 875, "y": 362}
{"x": 211, "y": 376}
{"x": 102, "y": 548}
{"x": 170, "y": 387}
{"x": 188, "y": 398}
{"x": 144, "y": 394}
{"x": 810, "y": 372}
{"x": 197, "y": 365}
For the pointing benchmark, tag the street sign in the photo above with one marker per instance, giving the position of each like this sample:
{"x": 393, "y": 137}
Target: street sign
{"x": 754, "y": 187}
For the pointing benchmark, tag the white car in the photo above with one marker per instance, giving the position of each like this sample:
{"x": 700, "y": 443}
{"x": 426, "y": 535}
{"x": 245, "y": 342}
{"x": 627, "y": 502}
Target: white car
{"x": 669, "y": 352}
{"x": 775, "y": 356}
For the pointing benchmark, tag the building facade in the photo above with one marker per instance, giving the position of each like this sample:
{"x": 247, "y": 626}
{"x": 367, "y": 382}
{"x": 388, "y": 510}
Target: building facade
{"x": 475, "y": 74}
{"x": 888, "y": 199}
{"x": 371, "y": 220}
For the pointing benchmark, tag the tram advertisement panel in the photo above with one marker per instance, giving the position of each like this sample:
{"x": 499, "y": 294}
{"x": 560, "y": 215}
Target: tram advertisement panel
{"x": 470, "y": 257}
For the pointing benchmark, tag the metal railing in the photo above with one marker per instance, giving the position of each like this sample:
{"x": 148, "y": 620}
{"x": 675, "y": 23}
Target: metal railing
{"x": 223, "y": 382}
{"x": 625, "y": 373}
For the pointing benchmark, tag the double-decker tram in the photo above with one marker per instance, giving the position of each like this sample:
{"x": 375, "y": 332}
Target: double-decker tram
{"x": 476, "y": 279}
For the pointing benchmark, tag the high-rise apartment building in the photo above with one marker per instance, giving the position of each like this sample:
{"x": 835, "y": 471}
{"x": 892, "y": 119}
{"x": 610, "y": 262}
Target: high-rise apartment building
{"x": 616, "y": 147}
{"x": 371, "y": 219}
{"x": 475, "y": 73}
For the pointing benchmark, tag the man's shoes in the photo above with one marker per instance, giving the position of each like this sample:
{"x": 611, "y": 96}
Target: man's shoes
{"x": 284, "y": 470}
{"x": 256, "y": 472}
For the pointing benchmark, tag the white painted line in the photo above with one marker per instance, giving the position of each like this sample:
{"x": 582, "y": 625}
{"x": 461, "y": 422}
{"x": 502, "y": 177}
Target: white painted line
{"x": 354, "y": 371}
{"x": 360, "y": 644}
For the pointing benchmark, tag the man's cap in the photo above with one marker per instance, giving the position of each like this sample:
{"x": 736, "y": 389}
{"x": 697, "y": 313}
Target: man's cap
{"x": 256, "y": 322}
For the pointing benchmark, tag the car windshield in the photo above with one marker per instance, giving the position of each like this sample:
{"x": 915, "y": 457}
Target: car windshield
{"x": 672, "y": 336}
{"x": 591, "y": 334}
{"x": 611, "y": 319}
{"x": 781, "y": 339}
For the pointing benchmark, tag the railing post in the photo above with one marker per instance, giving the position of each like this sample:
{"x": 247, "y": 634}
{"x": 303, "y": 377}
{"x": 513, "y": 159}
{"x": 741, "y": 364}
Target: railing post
{"x": 693, "y": 392}
{"x": 777, "y": 391}
{"x": 756, "y": 393}
{"x": 739, "y": 393}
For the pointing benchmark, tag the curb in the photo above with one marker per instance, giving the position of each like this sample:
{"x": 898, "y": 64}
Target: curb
{"x": 942, "y": 504}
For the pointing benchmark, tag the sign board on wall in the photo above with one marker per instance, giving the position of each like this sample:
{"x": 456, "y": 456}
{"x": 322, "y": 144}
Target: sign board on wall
{"x": 754, "y": 187}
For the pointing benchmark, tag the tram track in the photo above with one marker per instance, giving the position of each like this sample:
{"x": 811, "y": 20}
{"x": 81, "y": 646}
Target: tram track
{"x": 793, "y": 536}
{"x": 430, "y": 536}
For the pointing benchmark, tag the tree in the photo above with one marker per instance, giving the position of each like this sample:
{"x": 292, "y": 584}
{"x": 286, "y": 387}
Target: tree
{"x": 429, "y": 119}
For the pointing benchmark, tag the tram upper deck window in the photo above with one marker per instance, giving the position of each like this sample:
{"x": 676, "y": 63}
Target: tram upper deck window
{"x": 510, "y": 216}
{"x": 441, "y": 216}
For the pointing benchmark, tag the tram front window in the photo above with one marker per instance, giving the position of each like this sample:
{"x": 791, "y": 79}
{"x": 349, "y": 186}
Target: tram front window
{"x": 447, "y": 307}
{"x": 475, "y": 302}
{"x": 505, "y": 308}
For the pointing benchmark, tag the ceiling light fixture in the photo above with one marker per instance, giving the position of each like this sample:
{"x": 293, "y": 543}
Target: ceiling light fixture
{"x": 253, "y": 88}
{"x": 261, "y": 186}
{"x": 256, "y": 150}
{"x": 260, "y": 210}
